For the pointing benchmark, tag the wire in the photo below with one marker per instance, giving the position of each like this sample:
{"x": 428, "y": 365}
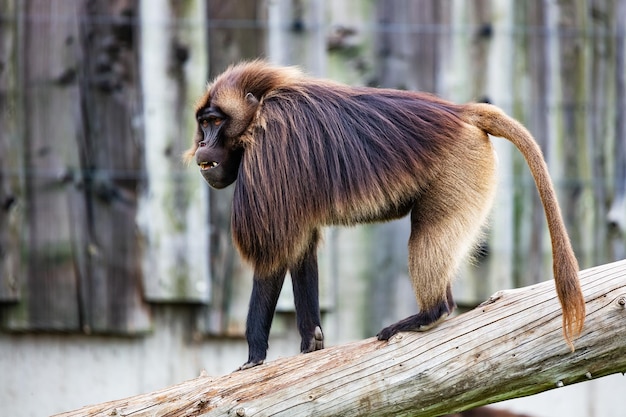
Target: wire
{"x": 381, "y": 27}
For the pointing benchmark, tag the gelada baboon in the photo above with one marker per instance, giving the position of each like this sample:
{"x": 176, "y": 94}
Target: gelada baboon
{"x": 308, "y": 153}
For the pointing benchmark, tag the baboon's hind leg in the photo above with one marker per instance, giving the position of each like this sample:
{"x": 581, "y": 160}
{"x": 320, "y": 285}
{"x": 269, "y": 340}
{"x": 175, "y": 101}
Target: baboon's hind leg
{"x": 431, "y": 265}
{"x": 445, "y": 224}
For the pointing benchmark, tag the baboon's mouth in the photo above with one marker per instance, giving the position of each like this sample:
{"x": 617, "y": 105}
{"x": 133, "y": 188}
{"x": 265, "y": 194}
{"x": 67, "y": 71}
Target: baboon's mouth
{"x": 208, "y": 165}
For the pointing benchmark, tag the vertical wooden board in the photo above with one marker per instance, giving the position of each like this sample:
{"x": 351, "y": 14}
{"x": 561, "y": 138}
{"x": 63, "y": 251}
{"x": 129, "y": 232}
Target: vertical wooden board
{"x": 110, "y": 143}
{"x": 350, "y": 41}
{"x": 174, "y": 202}
{"x": 616, "y": 216}
{"x": 572, "y": 140}
{"x": 391, "y": 34}
{"x": 48, "y": 98}
{"x": 530, "y": 92}
{"x": 409, "y": 37}
{"x": 236, "y": 31}
{"x": 421, "y": 48}
{"x": 11, "y": 187}
{"x": 297, "y": 34}
{"x": 601, "y": 110}
{"x": 589, "y": 53}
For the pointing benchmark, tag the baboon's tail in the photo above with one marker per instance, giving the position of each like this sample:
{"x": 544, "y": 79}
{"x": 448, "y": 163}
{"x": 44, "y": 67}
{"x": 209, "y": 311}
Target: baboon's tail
{"x": 565, "y": 266}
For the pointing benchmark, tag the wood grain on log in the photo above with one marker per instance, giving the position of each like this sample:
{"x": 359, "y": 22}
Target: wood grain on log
{"x": 510, "y": 346}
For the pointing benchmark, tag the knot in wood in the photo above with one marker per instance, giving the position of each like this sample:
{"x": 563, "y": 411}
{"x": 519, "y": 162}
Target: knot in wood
{"x": 241, "y": 412}
{"x": 621, "y": 301}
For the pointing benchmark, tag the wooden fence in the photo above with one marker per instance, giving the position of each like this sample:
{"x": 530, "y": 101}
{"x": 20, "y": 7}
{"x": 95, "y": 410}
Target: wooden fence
{"x": 99, "y": 220}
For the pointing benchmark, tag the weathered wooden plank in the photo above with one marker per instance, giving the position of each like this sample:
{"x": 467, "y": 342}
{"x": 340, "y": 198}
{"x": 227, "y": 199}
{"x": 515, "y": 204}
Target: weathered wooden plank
{"x": 350, "y": 41}
{"x": 174, "y": 202}
{"x": 297, "y": 35}
{"x": 601, "y": 134}
{"x": 11, "y": 189}
{"x": 511, "y": 346}
{"x": 235, "y": 32}
{"x": 572, "y": 139}
{"x": 616, "y": 215}
{"x": 48, "y": 99}
{"x": 109, "y": 248}
{"x": 531, "y": 91}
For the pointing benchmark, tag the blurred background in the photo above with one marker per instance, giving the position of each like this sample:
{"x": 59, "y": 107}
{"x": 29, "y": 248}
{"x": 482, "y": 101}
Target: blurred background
{"x": 117, "y": 273}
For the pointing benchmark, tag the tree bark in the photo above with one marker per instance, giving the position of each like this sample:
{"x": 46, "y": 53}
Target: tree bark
{"x": 510, "y": 346}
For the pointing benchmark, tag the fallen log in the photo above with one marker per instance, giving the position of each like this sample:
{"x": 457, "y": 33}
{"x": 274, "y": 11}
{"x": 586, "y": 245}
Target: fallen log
{"x": 510, "y": 346}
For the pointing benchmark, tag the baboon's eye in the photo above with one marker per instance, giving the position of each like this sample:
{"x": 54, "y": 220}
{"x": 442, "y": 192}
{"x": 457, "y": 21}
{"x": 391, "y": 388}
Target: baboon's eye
{"x": 215, "y": 121}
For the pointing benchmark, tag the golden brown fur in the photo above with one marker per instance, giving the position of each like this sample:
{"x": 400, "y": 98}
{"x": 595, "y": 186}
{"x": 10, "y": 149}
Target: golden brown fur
{"x": 565, "y": 266}
{"x": 316, "y": 153}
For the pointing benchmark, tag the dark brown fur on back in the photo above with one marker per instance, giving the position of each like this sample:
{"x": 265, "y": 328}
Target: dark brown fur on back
{"x": 337, "y": 154}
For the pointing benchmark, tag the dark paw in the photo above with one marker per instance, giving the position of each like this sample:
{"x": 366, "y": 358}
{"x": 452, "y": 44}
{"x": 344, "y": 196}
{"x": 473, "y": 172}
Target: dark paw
{"x": 387, "y": 333}
{"x": 314, "y": 343}
{"x": 418, "y": 323}
{"x": 249, "y": 364}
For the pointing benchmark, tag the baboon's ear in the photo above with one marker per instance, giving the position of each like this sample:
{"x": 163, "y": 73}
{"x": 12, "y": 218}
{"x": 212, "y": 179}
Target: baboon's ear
{"x": 251, "y": 99}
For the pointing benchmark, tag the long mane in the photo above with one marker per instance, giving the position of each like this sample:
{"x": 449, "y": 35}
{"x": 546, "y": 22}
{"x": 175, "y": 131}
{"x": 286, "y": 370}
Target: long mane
{"x": 338, "y": 154}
